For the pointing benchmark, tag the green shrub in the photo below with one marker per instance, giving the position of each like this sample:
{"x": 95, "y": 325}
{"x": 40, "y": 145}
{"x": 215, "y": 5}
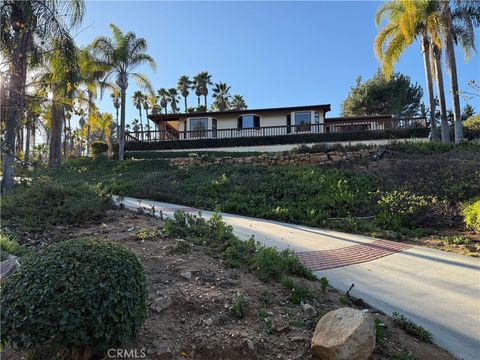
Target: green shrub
{"x": 471, "y": 214}
{"x": 180, "y": 246}
{"x": 403, "y": 208}
{"x": 99, "y": 148}
{"x": 298, "y": 292}
{"x": 429, "y": 147}
{"x": 409, "y": 326}
{"x": 46, "y": 203}
{"x": 10, "y": 245}
{"x": 80, "y": 295}
{"x": 471, "y": 127}
{"x": 456, "y": 240}
{"x": 239, "y": 306}
{"x": 324, "y": 283}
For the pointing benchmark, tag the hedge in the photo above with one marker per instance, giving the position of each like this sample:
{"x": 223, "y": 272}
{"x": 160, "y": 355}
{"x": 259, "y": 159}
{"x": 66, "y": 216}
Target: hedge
{"x": 278, "y": 140}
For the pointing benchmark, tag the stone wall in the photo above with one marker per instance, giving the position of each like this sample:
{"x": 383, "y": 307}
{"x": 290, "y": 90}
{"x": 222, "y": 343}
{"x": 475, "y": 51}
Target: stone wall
{"x": 322, "y": 158}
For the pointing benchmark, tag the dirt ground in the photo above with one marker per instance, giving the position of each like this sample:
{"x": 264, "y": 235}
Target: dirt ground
{"x": 190, "y": 296}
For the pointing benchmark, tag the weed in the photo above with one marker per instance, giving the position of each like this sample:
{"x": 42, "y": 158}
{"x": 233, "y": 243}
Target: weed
{"x": 409, "y": 326}
{"x": 379, "y": 331}
{"x": 344, "y": 300}
{"x": 239, "y": 306}
{"x": 298, "y": 292}
{"x": 324, "y": 283}
{"x": 263, "y": 313}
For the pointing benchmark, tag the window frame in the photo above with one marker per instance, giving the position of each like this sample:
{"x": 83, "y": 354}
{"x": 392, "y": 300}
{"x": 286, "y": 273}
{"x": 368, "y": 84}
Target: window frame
{"x": 256, "y": 122}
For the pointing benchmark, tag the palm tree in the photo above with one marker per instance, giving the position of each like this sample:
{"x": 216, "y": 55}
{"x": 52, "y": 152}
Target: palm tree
{"x": 173, "y": 98}
{"x": 238, "y": 102}
{"x": 202, "y": 81}
{"x": 136, "y": 126}
{"x": 436, "y": 55}
{"x": 406, "y": 20}
{"x": 115, "y": 95}
{"x": 184, "y": 85}
{"x": 138, "y": 99}
{"x": 25, "y": 26}
{"x": 221, "y": 96}
{"x": 162, "y": 95}
{"x": 122, "y": 55}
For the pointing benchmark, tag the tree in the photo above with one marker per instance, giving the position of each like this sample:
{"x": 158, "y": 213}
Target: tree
{"x": 397, "y": 96}
{"x": 468, "y": 111}
{"x": 201, "y": 83}
{"x": 221, "y": 96}
{"x": 238, "y": 102}
{"x": 115, "y": 95}
{"x": 122, "y": 55}
{"x": 25, "y": 25}
{"x": 138, "y": 98}
{"x": 173, "y": 99}
{"x": 184, "y": 85}
{"x": 405, "y": 22}
{"x": 162, "y": 95}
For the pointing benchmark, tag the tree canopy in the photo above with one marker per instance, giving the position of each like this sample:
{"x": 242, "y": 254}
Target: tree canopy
{"x": 396, "y": 96}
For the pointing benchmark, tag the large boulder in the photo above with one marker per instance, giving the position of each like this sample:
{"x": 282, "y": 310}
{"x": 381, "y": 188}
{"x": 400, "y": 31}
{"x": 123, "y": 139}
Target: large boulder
{"x": 343, "y": 334}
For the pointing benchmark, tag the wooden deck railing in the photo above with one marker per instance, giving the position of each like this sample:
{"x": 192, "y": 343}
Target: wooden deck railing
{"x": 330, "y": 126}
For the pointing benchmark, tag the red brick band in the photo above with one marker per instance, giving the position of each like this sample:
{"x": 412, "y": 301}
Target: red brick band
{"x": 350, "y": 255}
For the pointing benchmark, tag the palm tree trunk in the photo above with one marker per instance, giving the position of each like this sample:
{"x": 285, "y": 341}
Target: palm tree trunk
{"x": 185, "y": 99}
{"x": 428, "y": 78}
{"x": 18, "y": 76}
{"x": 198, "y": 98}
{"x": 90, "y": 100}
{"x": 65, "y": 139}
{"x": 27, "y": 142}
{"x": 141, "y": 122}
{"x": 55, "y": 153}
{"x": 441, "y": 94}
{"x": 121, "y": 135}
{"x": 452, "y": 67}
{"x": 205, "y": 100}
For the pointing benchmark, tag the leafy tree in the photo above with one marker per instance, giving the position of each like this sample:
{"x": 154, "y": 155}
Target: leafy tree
{"x": 468, "y": 111}
{"x": 396, "y": 96}
{"x": 122, "y": 54}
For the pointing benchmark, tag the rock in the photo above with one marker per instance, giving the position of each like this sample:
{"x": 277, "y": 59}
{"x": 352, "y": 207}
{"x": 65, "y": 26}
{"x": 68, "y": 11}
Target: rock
{"x": 164, "y": 352}
{"x": 186, "y": 274}
{"x": 279, "y": 325}
{"x": 208, "y": 322}
{"x": 309, "y": 310}
{"x": 160, "y": 304}
{"x": 297, "y": 339}
{"x": 9, "y": 266}
{"x": 249, "y": 344}
{"x": 344, "y": 334}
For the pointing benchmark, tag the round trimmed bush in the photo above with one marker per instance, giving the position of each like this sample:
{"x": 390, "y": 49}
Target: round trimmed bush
{"x": 82, "y": 295}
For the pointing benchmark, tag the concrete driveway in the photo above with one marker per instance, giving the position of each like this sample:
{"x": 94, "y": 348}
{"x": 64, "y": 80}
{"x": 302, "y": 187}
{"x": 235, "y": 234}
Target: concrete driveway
{"x": 437, "y": 290}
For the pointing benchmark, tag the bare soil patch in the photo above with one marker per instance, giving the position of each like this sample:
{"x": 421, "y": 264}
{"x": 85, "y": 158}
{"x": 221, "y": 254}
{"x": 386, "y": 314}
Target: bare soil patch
{"x": 191, "y": 295}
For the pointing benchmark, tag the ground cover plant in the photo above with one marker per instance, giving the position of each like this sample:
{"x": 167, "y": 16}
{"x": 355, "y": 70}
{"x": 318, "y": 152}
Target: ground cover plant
{"x": 80, "y": 296}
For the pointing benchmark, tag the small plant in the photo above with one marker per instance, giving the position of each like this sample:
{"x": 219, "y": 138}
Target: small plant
{"x": 456, "y": 240}
{"x": 239, "y": 306}
{"x": 99, "y": 148}
{"x": 83, "y": 295}
{"x": 298, "y": 292}
{"x": 324, "y": 283}
{"x": 379, "y": 331}
{"x": 344, "y": 300}
{"x": 144, "y": 234}
{"x": 409, "y": 326}
{"x": 471, "y": 214}
{"x": 180, "y": 246}
{"x": 10, "y": 245}
{"x": 263, "y": 313}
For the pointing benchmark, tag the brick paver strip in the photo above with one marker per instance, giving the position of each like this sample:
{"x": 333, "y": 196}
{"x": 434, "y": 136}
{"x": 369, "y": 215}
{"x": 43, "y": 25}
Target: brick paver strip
{"x": 350, "y": 255}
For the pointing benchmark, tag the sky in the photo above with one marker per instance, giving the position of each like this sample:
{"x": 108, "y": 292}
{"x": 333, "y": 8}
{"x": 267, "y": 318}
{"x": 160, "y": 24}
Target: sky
{"x": 273, "y": 53}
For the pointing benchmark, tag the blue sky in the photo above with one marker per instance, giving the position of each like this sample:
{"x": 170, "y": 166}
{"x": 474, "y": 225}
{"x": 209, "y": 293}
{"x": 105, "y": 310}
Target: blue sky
{"x": 273, "y": 53}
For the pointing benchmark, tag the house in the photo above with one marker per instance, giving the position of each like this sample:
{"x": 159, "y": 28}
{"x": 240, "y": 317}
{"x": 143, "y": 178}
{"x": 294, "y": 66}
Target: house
{"x": 241, "y": 123}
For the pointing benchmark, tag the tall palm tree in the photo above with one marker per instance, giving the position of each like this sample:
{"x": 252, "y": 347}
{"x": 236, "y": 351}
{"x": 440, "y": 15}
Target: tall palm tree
{"x": 407, "y": 20}
{"x": 162, "y": 95}
{"x": 221, "y": 96}
{"x": 238, "y": 102}
{"x": 138, "y": 99}
{"x": 122, "y": 55}
{"x": 26, "y": 26}
{"x": 173, "y": 99}
{"x": 202, "y": 81}
{"x": 184, "y": 85}
{"x": 115, "y": 95}
{"x": 436, "y": 55}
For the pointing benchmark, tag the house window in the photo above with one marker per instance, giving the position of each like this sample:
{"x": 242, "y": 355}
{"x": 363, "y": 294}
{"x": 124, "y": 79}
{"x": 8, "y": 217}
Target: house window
{"x": 214, "y": 128}
{"x": 199, "y": 127}
{"x": 303, "y": 119}
{"x": 248, "y": 122}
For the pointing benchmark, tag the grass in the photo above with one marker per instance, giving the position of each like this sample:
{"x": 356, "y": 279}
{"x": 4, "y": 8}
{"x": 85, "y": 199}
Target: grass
{"x": 10, "y": 245}
{"x": 298, "y": 293}
{"x": 239, "y": 306}
{"x": 409, "y": 326}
